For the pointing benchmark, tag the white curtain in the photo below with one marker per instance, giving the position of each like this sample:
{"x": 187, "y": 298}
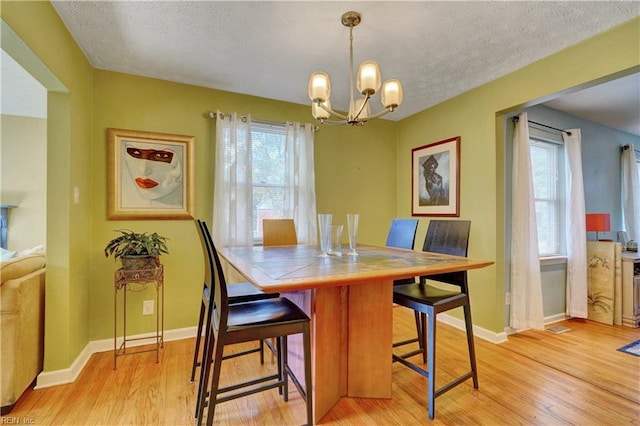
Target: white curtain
{"x": 630, "y": 194}
{"x": 576, "y": 228}
{"x": 300, "y": 199}
{"x": 233, "y": 192}
{"x": 526, "y": 286}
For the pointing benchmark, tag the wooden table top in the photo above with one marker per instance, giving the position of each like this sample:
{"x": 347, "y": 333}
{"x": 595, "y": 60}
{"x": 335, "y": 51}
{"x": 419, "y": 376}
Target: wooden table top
{"x": 289, "y": 268}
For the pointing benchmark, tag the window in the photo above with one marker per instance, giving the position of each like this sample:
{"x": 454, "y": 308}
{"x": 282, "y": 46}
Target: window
{"x": 268, "y": 160}
{"x": 548, "y": 182}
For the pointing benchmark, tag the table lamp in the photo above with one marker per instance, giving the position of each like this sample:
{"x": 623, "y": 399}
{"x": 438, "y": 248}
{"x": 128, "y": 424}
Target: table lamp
{"x": 598, "y": 222}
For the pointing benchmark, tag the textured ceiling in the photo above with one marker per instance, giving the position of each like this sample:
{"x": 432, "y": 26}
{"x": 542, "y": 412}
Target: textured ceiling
{"x": 615, "y": 104}
{"x": 269, "y": 48}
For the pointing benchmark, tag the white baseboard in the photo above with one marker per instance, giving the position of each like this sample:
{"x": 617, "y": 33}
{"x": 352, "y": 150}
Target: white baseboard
{"x": 479, "y": 332}
{"x": 547, "y": 320}
{"x": 555, "y": 318}
{"x": 69, "y": 375}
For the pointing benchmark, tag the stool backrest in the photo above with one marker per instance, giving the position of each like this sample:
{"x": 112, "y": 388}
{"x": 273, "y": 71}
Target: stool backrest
{"x": 448, "y": 237}
{"x": 402, "y": 233}
{"x": 279, "y": 232}
{"x": 208, "y": 282}
{"x": 220, "y": 300}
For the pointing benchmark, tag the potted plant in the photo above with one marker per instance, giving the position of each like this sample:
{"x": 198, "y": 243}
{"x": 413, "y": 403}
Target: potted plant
{"x": 137, "y": 250}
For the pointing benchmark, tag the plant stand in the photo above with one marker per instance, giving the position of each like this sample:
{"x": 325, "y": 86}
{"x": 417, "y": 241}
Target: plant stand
{"x": 126, "y": 280}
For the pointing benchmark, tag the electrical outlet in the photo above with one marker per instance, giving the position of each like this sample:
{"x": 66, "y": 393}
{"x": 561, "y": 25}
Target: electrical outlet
{"x": 507, "y": 298}
{"x": 147, "y": 307}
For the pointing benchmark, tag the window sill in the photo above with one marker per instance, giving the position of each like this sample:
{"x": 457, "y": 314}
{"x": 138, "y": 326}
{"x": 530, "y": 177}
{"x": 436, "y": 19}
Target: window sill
{"x": 553, "y": 260}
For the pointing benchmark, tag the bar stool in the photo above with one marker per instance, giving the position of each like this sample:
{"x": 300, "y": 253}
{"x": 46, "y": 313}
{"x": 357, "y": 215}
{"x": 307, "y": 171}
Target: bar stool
{"x": 244, "y": 322}
{"x": 237, "y": 293}
{"x": 402, "y": 234}
{"x": 447, "y": 237}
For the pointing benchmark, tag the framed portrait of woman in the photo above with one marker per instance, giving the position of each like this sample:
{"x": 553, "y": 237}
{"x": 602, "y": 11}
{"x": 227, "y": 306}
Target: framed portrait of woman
{"x": 435, "y": 181}
{"x": 149, "y": 175}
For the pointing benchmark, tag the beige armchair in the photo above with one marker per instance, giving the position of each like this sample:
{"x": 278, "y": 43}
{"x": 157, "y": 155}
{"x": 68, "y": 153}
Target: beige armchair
{"x": 21, "y": 325}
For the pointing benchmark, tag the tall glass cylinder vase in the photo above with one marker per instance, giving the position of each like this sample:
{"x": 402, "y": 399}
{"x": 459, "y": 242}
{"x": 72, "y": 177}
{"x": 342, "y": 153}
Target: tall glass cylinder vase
{"x": 336, "y": 240}
{"x": 324, "y": 227}
{"x": 352, "y": 228}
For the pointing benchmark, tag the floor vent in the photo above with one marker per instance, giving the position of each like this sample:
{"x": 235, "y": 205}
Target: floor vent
{"x": 557, "y": 329}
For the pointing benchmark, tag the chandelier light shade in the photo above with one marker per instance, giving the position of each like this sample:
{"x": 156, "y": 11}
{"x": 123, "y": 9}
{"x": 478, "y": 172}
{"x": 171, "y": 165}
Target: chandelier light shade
{"x": 391, "y": 94}
{"x": 368, "y": 78}
{"x": 319, "y": 86}
{"x": 368, "y": 82}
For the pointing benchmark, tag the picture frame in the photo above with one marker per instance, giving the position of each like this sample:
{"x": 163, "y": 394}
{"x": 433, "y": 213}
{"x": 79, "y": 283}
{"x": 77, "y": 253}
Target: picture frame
{"x": 435, "y": 179}
{"x": 149, "y": 175}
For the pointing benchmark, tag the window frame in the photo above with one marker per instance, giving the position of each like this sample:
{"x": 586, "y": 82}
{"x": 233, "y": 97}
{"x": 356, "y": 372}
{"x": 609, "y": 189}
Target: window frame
{"x": 558, "y": 200}
{"x": 278, "y": 131}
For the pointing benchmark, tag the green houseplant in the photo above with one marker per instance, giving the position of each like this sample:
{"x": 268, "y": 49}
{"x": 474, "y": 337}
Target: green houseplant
{"x": 137, "y": 250}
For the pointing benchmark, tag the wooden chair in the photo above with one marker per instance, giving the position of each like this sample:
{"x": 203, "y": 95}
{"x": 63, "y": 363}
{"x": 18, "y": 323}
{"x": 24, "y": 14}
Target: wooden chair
{"x": 279, "y": 232}
{"x": 245, "y": 322}
{"x": 238, "y": 293}
{"x": 448, "y": 237}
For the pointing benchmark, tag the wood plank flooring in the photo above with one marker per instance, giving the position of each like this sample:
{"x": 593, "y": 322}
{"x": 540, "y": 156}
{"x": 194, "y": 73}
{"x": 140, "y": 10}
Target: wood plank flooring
{"x": 587, "y": 352}
{"x": 537, "y": 378}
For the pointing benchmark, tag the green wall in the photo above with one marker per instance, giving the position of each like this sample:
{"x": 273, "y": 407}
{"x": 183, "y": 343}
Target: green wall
{"x": 34, "y": 35}
{"x": 364, "y": 170}
{"x": 355, "y": 171}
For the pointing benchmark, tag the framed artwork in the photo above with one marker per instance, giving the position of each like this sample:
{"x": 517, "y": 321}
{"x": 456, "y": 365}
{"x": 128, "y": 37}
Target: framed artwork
{"x": 149, "y": 175}
{"x": 435, "y": 179}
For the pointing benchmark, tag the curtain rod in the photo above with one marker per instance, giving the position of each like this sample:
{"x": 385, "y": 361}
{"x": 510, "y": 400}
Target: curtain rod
{"x": 243, "y": 118}
{"x": 516, "y": 118}
{"x": 627, "y": 146}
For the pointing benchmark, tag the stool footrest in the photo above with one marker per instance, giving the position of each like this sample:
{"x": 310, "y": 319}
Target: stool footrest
{"x": 276, "y": 384}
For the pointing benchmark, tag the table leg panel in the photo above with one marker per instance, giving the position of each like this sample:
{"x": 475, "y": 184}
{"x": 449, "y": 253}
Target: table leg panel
{"x": 370, "y": 328}
{"x": 327, "y": 310}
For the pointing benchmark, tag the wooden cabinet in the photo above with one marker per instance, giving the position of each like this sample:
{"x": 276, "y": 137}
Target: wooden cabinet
{"x": 604, "y": 282}
{"x": 631, "y": 289}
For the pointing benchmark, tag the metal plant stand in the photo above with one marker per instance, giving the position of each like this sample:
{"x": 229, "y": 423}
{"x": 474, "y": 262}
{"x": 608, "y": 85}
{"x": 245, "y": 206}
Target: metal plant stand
{"x": 127, "y": 280}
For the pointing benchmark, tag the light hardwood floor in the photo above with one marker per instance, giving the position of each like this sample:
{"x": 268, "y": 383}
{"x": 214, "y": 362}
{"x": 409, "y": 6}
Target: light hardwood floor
{"x": 521, "y": 382}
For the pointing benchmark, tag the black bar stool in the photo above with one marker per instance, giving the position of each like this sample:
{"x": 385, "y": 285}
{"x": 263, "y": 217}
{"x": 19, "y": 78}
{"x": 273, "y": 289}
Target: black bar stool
{"x": 237, "y": 293}
{"x": 448, "y": 237}
{"x": 245, "y": 322}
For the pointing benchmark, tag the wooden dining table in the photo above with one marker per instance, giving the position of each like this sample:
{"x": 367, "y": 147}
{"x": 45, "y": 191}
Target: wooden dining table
{"x": 349, "y": 300}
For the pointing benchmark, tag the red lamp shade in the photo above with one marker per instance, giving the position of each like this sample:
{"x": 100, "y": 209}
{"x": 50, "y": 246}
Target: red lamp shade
{"x": 598, "y": 222}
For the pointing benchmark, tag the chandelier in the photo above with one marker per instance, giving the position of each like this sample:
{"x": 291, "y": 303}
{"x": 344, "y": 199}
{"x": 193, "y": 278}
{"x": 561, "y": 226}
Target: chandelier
{"x": 368, "y": 83}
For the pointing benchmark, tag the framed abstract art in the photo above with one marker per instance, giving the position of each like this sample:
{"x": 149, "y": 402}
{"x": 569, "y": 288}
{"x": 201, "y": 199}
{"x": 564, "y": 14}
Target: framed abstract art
{"x": 149, "y": 175}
